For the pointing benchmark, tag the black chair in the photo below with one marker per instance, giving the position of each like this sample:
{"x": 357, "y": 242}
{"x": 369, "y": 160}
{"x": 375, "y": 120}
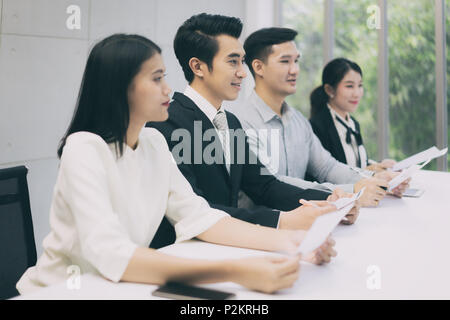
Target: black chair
{"x": 17, "y": 246}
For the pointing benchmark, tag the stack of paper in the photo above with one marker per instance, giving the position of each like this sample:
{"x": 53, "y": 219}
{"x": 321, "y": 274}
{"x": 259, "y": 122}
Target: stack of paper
{"x": 324, "y": 225}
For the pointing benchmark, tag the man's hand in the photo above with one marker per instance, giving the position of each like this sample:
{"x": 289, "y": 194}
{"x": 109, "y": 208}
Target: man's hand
{"x": 374, "y": 191}
{"x": 303, "y": 217}
{"x": 337, "y": 194}
{"x": 351, "y": 217}
{"x": 386, "y": 175}
{"x": 376, "y": 167}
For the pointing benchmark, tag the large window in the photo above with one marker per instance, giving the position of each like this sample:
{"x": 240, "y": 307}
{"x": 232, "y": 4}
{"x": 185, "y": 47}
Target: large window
{"x": 411, "y": 61}
{"x": 354, "y": 40}
{"x": 412, "y": 79}
{"x": 307, "y": 18}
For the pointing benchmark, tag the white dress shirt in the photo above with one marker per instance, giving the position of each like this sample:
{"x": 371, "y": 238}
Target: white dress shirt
{"x": 210, "y": 111}
{"x": 104, "y": 207}
{"x": 352, "y": 151}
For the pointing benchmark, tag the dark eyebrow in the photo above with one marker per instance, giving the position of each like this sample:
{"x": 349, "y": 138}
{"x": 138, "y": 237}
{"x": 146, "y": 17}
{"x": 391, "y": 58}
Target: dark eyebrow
{"x": 289, "y": 56}
{"x": 234, "y": 55}
{"x": 158, "y": 71}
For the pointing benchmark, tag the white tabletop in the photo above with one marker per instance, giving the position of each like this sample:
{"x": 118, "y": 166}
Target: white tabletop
{"x": 398, "y": 250}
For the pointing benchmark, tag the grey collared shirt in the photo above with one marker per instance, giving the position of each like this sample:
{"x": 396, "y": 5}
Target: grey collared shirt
{"x": 289, "y": 148}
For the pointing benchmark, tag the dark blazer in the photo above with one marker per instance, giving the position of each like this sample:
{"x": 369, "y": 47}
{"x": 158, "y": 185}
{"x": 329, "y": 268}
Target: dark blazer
{"x": 213, "y": 182}
{"x": 324, "y": 128}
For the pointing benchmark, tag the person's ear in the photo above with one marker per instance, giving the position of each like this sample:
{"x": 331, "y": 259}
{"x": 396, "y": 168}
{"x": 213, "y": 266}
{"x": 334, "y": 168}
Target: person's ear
{"x": 197, "y": 67}
{"x": 329, "y": 90}
{"x": 258, "y": 67}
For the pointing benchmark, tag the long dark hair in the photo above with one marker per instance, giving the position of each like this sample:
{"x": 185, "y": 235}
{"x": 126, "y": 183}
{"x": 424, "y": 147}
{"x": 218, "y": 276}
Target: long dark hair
{"x": 332, "y": 74}
{"x": 102, "y": 105}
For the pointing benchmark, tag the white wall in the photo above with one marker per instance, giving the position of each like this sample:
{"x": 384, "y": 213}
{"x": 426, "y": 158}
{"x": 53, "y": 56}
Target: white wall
{"x": 258, "y": 14}
{"x": 42, "y": 61}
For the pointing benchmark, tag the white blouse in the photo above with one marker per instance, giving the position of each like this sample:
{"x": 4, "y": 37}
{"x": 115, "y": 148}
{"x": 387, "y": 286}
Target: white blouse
{"x": 104, "y": 207}
{"x": 352, "y": 151}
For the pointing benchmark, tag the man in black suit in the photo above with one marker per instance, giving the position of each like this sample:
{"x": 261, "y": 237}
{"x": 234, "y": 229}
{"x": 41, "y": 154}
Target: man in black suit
{"x": 208, "y": 143}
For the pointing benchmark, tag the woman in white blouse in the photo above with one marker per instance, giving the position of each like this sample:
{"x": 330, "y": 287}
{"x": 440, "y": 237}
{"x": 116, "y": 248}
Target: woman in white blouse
{"x": 118, "y": 179}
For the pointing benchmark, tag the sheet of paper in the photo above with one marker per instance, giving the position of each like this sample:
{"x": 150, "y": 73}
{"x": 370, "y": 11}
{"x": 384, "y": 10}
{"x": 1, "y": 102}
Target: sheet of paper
{"x": 325, "y": 224}
{"x": 321, "y": 229}
{"x": 405, "y": 174}
{"x": 420, "y": 157}
{"x": 342, "y": 202}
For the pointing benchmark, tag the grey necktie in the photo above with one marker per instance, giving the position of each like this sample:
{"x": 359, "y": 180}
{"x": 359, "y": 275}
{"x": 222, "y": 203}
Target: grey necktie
{"x": 220, "y": 122}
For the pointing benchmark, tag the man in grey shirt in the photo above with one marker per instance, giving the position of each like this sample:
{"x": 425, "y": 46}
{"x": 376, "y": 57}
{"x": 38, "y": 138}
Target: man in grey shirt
{"x": 281, "y": 136}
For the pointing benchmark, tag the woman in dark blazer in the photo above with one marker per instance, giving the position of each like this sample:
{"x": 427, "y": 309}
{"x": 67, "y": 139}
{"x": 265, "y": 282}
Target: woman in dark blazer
{"x": 331, "y": 106}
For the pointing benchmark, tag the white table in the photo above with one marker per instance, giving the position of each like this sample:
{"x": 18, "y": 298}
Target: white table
{"x": 405, "y": 239}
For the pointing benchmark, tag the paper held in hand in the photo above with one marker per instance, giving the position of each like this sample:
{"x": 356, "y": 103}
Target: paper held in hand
{"x": 405, "y": 174}
{"x": 420, "y": 157}
{"x": 324, "y": 225}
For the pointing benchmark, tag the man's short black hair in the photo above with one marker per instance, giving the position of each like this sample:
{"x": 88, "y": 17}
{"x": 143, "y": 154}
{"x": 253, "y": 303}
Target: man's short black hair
{"x": 259, "y": 44}
{"x": 196, "y": 38}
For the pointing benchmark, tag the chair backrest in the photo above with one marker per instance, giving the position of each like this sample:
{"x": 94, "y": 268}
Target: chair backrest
{"x": 17, "y": 246}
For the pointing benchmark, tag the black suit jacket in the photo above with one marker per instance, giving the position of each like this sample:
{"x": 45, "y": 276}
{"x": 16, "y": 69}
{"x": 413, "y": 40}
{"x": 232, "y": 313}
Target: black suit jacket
{"x": 324, "y": 128}
{"x": 213, "y": 182}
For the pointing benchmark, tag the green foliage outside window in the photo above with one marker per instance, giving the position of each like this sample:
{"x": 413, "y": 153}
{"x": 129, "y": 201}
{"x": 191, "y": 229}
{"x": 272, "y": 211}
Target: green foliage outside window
{"x": 412, "y": 80}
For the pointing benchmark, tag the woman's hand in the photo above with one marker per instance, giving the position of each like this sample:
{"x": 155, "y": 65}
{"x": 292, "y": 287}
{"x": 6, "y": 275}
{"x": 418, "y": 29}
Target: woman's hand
{"x": 381, "y": 166}
{"x": 266, "y": 274}
{"x": 388, "y": 163}
{"x": 322, "y": 254}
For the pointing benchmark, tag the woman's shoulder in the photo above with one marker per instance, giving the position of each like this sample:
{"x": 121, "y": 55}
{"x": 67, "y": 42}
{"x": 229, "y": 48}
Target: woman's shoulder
{"x": 321, "y": 119}
{"x": 81, "y": 137}
{"x": 85, "y": 143}
{"x": 151, "y": 136}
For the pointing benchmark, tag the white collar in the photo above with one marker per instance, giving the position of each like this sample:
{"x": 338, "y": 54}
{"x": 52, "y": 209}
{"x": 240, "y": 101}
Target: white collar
{"x": 204, "y": 105}
{"x": 334, "y": 114}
